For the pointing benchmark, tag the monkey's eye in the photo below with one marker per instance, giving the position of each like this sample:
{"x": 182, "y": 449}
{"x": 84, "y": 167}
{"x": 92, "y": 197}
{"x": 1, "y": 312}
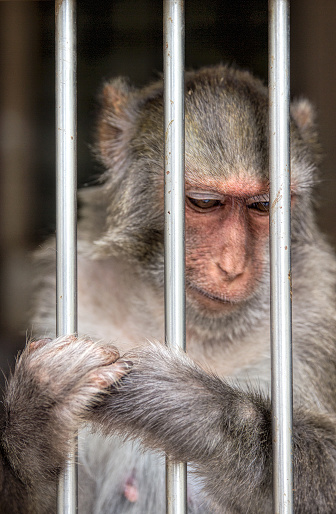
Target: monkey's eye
{"x": 259, "y": 204}
{"x": 203, "y": 204}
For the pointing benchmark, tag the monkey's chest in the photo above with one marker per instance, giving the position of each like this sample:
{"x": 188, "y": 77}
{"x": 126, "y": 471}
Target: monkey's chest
{"x": 119, "y": 478}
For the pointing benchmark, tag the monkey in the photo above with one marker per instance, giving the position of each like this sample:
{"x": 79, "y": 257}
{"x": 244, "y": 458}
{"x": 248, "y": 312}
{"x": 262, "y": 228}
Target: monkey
{"x": 131, "y": 397}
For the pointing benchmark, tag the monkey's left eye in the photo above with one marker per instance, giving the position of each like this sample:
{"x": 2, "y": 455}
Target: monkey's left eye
{"x": 259, "y": 204}
{"x": 203, "y": 204}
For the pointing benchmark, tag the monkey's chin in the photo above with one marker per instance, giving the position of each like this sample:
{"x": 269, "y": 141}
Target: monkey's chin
{"x": 213, "y": 302}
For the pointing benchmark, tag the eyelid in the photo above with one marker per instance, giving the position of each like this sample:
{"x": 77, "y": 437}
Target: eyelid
{"x": 204, "y": 195}
{"x": 258, "y": 198}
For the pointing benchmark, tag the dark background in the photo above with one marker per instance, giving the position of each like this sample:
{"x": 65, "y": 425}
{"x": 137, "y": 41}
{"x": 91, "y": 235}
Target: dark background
{"x": 124, "y": 37}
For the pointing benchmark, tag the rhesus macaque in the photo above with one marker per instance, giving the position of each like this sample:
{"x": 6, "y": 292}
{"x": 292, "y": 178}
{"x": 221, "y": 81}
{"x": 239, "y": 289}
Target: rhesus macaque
{"x": 212, "y": 406}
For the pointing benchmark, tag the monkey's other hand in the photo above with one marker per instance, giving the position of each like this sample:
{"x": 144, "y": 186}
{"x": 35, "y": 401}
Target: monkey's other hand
{"x": 53, "y": 384}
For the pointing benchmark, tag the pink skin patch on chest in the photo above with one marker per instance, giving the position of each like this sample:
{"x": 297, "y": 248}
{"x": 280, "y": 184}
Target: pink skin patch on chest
{"x": 131, "y": 491}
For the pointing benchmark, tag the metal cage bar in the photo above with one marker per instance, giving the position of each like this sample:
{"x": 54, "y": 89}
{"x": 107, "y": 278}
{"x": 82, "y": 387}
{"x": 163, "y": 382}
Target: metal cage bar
{"x": 280, "y": 260}
{"x": 66, "y": 209}
{"x": 281, "y": 348}
{"x": 175, "y": 324}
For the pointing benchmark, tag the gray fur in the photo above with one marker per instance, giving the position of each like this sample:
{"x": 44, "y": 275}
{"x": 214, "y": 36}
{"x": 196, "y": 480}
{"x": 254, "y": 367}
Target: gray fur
{"x": 212, "y": 407}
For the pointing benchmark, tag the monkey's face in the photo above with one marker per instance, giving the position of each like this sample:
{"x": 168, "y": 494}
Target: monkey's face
{"x": 227, "y": 226}
{"x": 226, "y": 162}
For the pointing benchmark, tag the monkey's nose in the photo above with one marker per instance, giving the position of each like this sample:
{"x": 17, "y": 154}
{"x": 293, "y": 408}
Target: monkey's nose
{"x": 232, "y": 266}
{"x": 230, "y": 274}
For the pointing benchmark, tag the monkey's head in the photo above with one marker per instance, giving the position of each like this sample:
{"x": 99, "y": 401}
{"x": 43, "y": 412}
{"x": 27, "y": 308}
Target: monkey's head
{"x": 227, "y": 186}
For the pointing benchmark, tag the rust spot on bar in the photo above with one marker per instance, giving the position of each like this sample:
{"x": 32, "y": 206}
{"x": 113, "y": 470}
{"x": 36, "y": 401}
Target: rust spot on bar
{"x": 167, "y": 131}
{"x": 276, "y": 200}
{"x": 58, "y": 5}
{"x": 290, "y": 283}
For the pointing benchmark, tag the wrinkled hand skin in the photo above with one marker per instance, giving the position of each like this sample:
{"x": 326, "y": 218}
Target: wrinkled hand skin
{"x": 175, "y": 406}
{"x": 47, "y": 398}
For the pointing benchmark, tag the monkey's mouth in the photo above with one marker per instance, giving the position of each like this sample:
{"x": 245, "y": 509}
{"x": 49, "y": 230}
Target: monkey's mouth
{"x": 219, "y": 299}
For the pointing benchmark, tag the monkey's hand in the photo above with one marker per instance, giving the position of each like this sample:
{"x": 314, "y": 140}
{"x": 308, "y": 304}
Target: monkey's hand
{"x": 173, "y": 405}
{"x": 47, "y": 396}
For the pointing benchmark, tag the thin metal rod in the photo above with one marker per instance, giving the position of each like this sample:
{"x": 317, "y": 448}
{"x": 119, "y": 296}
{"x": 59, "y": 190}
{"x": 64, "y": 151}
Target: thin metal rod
{"x": 280, "y": 238}
{"x": 175, "y": 331}
{"x": 66, "y": 210}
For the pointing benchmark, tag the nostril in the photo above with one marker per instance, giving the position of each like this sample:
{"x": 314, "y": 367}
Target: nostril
{"x": 231, "y": 272}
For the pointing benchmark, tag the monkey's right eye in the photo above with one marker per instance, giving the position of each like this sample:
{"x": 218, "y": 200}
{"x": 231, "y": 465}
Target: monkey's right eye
{"x": 203, "y": 204}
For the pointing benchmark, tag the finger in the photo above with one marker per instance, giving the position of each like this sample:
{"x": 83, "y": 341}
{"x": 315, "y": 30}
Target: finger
{"x": 34, "y": 345}
{"x": 109, "y": 375}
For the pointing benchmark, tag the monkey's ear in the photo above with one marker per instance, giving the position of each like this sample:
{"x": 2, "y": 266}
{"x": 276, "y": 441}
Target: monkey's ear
{"x": 304, "y": 115}
{"x": 115, "y": 123}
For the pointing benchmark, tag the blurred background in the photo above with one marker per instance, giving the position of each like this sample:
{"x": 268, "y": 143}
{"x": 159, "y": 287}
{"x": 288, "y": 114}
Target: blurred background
{"x": 124, "y": 37}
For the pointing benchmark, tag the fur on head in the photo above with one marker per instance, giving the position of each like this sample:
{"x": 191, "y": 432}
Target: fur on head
{"x": 226, "y": 124}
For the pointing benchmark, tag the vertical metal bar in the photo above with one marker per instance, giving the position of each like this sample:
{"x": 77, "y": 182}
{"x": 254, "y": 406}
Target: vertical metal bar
{"x": 280, "y": 198}
{"x": 66, "y": 209}
{"x": 175, "y": 331}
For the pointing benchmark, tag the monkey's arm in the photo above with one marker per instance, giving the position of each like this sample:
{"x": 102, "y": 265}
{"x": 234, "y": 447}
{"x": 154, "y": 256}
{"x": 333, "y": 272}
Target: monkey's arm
{"x": 46, "y": 398}
{"x": 14, "y": 495}
{"x": 173, "y": 405}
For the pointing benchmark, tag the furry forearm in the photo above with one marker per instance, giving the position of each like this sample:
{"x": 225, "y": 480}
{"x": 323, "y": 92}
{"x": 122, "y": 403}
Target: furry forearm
{"x": 314, "y": 442}
{"x": 173, "y": 405}
{"x": 14, "y": 494}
